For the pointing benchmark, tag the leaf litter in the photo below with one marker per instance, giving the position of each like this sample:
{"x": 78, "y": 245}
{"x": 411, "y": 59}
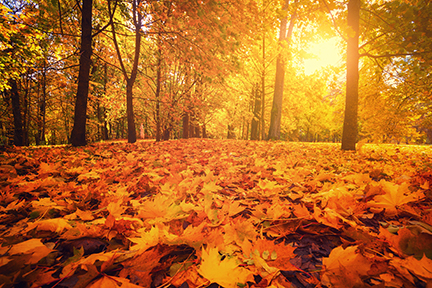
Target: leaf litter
{"x": 209, "y": 213}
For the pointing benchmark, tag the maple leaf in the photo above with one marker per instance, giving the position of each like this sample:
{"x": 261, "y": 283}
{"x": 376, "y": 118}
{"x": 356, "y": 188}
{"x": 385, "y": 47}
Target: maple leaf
{"x": 276, "y": 256}
{"x": 57, "y": 225}
{"x": 223, "y": 270}
{"x": 88, "y": 261}
{"x": 139, "y": 268}
{"x": 238, "y": 231}
{"x": 396, "y": 196}
{"x": 112, "y": 282}
{"x": 44, "y": 204}
{"x": 211, "y": 187}
{"x": 344, "y": 267}
{"x": 34, "y": 247}
{"x": 116, "y": 209}
{"x": 92, "y": 175}
{"x": 421, "y": 268}
{"x": 147, "y": 239}
{"x": 47, "y": 168}
{"x": 13, "y": 205}
{"x": 410, "y": 241}
{"x": 84, "y": 215}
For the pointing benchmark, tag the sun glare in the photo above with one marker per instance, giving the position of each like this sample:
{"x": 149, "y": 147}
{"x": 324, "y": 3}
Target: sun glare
{"x": 326, "y": 53}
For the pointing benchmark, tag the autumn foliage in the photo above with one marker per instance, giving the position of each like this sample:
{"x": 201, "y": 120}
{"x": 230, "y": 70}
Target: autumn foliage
{"x": 189, "y": 213}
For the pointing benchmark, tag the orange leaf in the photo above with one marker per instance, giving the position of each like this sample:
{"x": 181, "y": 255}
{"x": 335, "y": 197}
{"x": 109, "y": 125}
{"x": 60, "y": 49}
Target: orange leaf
{"x": 344, "y": 267}
{"x": 225, "y": 272}
{"x": 33, "y": 247}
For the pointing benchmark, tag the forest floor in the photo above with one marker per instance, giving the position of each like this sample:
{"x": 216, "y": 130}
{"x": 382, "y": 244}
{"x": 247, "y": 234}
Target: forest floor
{"x": 193, "y": 213}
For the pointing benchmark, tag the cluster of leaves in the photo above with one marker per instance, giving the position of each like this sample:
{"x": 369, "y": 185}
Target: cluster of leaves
{"x": 189, "y": 213}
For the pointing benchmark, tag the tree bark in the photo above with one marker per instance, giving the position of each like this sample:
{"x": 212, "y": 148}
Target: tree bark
{"x": 158, "y": 90}
{"x": 256, "y": 113}
{"x": 276, "y": 112}
{"x": 130, "y": 80}
{"x": 78, "y": 137}
{"x": 16, "y": 111}
{"x": 186, "y": 125}
{"x": 263, "y": 90}
{"x": 350, "y": 128}
{"x": 42, "y": 109}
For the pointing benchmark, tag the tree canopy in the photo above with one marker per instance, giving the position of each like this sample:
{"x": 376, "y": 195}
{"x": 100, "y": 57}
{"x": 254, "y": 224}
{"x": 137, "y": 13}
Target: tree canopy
{"x": 181, "y": 69}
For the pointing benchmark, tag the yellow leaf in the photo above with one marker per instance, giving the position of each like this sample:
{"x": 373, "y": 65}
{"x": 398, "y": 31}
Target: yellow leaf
{"x": 84, "y": 215}
{"x": 32, "y": 246}
{"x": 88, "y": 175}
{"x": 116, "y": 209}
{"x": 54, "y": 225}
{"x": 112, "y": 282}
{"x": 211, "y": 187}
{"x": 396, "y": 196}
{"x": 151, "y": 238}
{"x": 225, "y": 272}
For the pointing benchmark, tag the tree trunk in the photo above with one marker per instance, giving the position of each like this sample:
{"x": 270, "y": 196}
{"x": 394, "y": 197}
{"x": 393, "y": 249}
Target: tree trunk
{"x": 263, "y": 91}
{"x": 137, "y": 21}
{"x": 231, "y": 133}
{"x": 204, "y": 131}
{"x": 186, "y": 125}
{"x": 101, "y": 111}
{"x": 42, "y": 109}
{"x": 276, "y": 112}
{"x": 158, "y": 89}
{"x": 350, "y": 128}
{"x": 129, "y": 112}
{"x": 256, "y": 114}
{"x": 16, "y": 110}
{"x": 78, "y": 137}
{"x": 129, "y": 96}
{"x": 26, "y": 112}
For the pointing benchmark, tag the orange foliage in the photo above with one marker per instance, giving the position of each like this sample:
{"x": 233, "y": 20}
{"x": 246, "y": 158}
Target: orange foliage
{"x": 196, "y": 212}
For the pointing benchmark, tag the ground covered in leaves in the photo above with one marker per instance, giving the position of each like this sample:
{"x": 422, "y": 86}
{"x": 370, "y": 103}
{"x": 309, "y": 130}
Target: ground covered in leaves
{"x": 200, "y": 213}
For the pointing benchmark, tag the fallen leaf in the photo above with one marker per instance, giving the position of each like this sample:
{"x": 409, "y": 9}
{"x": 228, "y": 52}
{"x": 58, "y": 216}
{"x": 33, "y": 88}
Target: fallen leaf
{"x": 223, "y": 270}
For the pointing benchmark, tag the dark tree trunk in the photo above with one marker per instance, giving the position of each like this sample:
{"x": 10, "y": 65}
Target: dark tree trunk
{"x": 197, "y": 131}
{"x": 130, "y": 80}
{"x": 276, "y": 112}
{"x": 158, "y": 89}
{"x": 204, "y": 131}
{"x": 350, "y": 128}
{"x": 231, "y": 133}
{"x": 78, "y": 136}
{"x": 129, "y": 96}
{"x": 192, "y": 125}
{"x": 42, "y": 110}
{"x": 26, "y": 114}
{"x": 129, "y": 112}
{"x": 16, "y": 110}
{"x": 186, "y": 125}
{"x": 166, "y": 133}
{"x": 263, "y": 91}
{"x": 103, "y": 109}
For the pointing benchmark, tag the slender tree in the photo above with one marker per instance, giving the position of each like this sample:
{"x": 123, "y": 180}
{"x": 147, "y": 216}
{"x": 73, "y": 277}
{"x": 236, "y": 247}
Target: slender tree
{"x": 16, "y": 109}
{"x": 350, "y": 128}
{"x": 284, "y": 40}
{"x": 78, "y": 137}
{"x": 130, "y": 79}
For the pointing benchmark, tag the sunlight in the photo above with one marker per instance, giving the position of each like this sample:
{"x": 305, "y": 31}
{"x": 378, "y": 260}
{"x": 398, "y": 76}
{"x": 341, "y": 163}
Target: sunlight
{"x": 326, "y": 53}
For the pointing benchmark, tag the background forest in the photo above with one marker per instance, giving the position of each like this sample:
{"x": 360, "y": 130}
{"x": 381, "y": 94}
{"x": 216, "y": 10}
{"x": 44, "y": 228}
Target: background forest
{"x": 207, "y": 68}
